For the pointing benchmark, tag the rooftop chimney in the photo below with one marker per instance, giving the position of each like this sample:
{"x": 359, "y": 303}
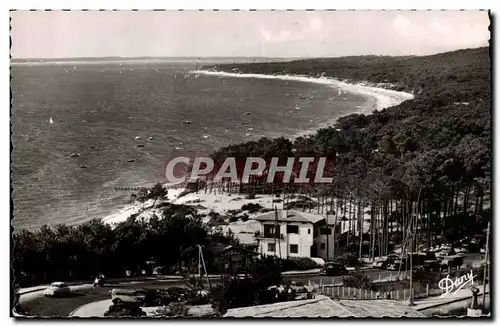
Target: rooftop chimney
{"x": 278, "y": 205}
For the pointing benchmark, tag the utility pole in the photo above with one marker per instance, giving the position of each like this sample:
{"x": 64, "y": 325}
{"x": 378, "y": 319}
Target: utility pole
{"x": 486, "y": 265}
{"x": 334, "y": 236}
{"x": 360, "y": 225}
{"x": 327, "y": 238}
{"x": 202, "y": 260}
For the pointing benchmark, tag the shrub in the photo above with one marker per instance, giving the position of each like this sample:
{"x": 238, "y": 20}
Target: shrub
{"x": 430, "y": 278}
{"x": 175, "y": 309}
{"x": 124, "y": 310}
{"x": 358, "y": 279}
{"x": 253, "y": 289}
{"x": 251, "y": 207}
{"x": 299, "y": 264}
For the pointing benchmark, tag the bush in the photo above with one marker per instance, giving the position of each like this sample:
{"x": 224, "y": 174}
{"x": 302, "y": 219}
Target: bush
{"x": 425, "y": 277}
{"x": 251, "y": 207}
{"x": 299, "y": 264}
{"x": 176, "y": 309}
{"x": 358, "y": 279}
{"x": 253, "y": 289}
{"x": 124, "y": 310}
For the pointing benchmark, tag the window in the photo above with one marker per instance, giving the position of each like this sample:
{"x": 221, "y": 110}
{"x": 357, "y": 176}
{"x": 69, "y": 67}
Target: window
{"x": 309, "y": 231}
{"x": 322, "y": 245}
{"x": 269, "y": 231}
{"x": 294, "y": 248}
{"x": 325, "y": 231}
{"x": 290, "y": 229}
{"x": 271, "y": 247}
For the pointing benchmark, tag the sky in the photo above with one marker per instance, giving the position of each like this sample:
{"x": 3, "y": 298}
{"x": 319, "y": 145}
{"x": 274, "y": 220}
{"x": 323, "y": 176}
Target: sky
{"x": 72, "y": 34}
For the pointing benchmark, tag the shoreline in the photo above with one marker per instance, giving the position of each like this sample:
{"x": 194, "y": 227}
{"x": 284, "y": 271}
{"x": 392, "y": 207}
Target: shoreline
{"x": 383, "y": 98}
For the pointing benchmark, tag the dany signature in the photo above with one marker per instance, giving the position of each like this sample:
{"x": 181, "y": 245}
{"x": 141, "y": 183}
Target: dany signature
{"x": 448, "y": 285}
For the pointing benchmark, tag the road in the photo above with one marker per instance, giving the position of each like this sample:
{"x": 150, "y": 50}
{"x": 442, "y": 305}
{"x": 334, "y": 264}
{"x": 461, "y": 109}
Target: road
{"x": 35, "y": 304}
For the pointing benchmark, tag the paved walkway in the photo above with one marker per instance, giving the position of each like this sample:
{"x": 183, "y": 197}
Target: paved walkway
{"x": 27, "y": 290}
{"x": 94, "y": 309}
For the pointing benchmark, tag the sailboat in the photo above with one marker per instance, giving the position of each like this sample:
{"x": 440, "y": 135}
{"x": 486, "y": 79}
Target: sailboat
{"x": 197, "y": 68}
{"x": 340, "y": 92}
{"x": 51, "y": 121}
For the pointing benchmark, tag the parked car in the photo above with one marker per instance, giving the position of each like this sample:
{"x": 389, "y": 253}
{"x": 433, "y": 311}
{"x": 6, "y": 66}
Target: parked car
{"x": 127, "y": 296}
{"x": 452, "y": 262}
{"x": 384, "y": 262}
{"x": 333, "y": 269}
{"x": 57, "y": 289}
{"x": 399, "y": 264}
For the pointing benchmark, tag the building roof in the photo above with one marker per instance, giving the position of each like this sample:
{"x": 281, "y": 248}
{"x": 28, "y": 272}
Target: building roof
{"x": 222, "y": 249}
{"x": 325, "y": 307}
{"x": 291, "y": 216}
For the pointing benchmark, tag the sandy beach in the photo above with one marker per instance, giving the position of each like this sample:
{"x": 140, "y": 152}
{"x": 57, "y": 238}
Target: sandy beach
{"x": 379, "y": 98}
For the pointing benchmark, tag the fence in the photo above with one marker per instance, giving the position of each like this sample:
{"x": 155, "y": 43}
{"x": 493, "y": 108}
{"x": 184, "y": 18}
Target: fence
{"x": 351, "y": 293}
{"x": 336, "y": 290}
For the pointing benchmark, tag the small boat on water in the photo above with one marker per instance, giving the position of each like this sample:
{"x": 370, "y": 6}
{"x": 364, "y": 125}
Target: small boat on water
{"x": 83, "y": 166}
{"x": 186, "y": 122}
{"x": 137, "y": 138}
{"x": 340, "y": 92}
{"x": 140, "y": 145}
{"x": 74, "y": 155}
{"x": 247, "y": 113}
{"x": 303, "y": 97}
{"x": 130, "y": 160}
{"x": 51, "y": 121}
{"x": 151, "y": 138}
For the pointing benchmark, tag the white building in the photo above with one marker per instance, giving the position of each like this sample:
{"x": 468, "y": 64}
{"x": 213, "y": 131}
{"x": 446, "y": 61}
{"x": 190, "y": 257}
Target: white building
{"x": 292, "y": 233}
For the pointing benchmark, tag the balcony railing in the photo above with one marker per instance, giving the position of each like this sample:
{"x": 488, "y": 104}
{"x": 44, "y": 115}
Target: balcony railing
{"x": 258, "y": 235}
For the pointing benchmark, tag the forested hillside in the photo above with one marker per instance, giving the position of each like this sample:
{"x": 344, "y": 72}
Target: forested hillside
{"x": 428, "y": 157}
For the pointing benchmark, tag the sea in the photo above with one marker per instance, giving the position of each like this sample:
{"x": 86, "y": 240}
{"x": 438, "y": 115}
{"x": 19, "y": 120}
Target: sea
{"x": 81, "y": 130}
